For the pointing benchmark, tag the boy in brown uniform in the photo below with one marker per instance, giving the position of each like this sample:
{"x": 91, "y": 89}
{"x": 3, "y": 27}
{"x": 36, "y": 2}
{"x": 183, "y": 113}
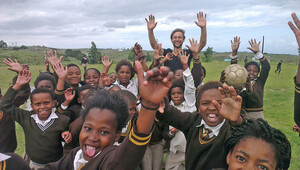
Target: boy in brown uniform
{"x": 43, "y": 128}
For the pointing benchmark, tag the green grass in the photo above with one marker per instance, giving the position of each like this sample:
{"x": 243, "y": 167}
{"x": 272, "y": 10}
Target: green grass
{"x": 278, "y": 99}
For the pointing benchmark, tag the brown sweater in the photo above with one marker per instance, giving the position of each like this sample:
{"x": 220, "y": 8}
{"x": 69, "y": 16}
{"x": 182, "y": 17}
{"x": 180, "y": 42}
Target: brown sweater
{"x": 126, "y": 156}
{"x": 198, "y": 156}
{"x": 8, "y": 139}
{"x": 41, "y": 146}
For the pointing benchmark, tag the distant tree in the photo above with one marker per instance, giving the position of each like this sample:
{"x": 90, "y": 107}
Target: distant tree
{"x": 94, "y": 55}
{"x": 3, "y": 44}
{"x": 131, "y": 55}
{"x": 74, "y": 53}
{"x": 23, "y": 47}
{"x": 208, "y": 54}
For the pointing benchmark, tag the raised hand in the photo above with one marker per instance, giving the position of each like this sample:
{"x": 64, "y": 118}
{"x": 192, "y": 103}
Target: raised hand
{"x": 69, "y": 96}
{"x": 254, "y": 46}
{"x": 155, "y": 85}
{"x": 235, "y": 44}
{"x": 138, "y": 51}
{"x": 296, "y": 30}
{"x": 151, "y": 24}
{"x": 194, "y": 46}
{"x": 201, "y": 20}
{"x": 231, "y": 104}
{"x": 106, "y": 62}
{"x": 60, "y": 71}
{"x": 24, "y": 77}
{"x": 14, "y": 66}
{"x": 52, "y": 57}
{"x": 184, "y": 58}
{"x": 66, "y": 135}
{"x": 156, "y": 52}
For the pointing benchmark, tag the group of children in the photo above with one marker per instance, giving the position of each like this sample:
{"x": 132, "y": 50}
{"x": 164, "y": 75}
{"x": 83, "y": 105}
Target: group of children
{"x": 112, "y": 121}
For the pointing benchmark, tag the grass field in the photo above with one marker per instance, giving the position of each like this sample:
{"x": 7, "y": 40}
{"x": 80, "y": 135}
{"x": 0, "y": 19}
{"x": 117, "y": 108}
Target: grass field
{"x": 278, "y": 99}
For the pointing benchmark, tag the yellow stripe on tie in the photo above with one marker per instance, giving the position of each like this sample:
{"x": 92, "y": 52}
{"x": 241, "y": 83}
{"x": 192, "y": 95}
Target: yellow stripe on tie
{"x": 254, "y": 109}
{"x": 3, "y": 165}
{"x": 1, "y": 115}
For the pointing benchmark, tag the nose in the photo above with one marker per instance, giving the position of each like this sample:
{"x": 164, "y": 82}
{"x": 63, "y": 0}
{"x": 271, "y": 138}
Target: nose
{"x": 93, "y": 136}
{"x": 211, "y": 107}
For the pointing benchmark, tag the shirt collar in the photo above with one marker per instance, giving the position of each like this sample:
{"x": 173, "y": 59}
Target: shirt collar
{"x": 43, "y": 123}
{"x": 3, "y": 157}
{"x": 79, "y": 160}
{"x": 215, "y": 129}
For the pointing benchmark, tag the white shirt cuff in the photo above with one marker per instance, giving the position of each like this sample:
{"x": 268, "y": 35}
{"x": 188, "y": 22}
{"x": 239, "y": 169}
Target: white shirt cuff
{"x": 63, "y": 107}
{"x": 259, "y": 55}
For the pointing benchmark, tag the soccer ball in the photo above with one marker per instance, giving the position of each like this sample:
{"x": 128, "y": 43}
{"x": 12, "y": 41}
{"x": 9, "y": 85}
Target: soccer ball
{"x": 236, "y": 75}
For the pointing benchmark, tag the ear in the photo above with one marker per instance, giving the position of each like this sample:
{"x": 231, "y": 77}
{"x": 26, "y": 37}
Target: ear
{"x": 228, "y": 157}
{"x": 78, "y": 100}
{"x": 118, "y": 135}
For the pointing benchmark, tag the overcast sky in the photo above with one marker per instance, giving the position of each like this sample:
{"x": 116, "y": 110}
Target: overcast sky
{"x": 121, "y": 23}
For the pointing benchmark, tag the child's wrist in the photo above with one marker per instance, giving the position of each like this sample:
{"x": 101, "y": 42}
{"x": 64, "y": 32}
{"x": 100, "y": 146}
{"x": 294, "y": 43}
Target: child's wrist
{"x": 17, "y": 87}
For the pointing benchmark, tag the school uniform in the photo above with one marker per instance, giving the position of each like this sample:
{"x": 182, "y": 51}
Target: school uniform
{"x": 132, "y": 86}
{"x": 8, "y": 139}
{"x": 200, "y": 154}
{"x": 125, "y": 156}
{"x": 255, "y": 100}
{"x": 176, "y": 157}
{"x": 43, "y": 139}
{"x": 12, "y": 161}
{"x": 297, "y": 103}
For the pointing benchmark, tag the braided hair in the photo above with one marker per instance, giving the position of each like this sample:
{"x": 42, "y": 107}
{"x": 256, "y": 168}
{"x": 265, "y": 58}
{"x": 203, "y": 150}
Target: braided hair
{"x": 262, "y": 130}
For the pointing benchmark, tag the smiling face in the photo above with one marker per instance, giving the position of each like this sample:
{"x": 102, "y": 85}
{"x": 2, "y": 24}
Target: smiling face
{"x": 177, "y": 95}
{"x": 207, "y": 110}
{"x": 113, "y": 77}
{"x": 177, "y": 39}
{"x": 99, "y": 131}
{"x": 42, "y": 104}
{"x": 91, "y": 78}
{"x": 46, "y": 84}
{"x": 124, "y": 75}
{"x": 74, "y": 76}
{"x": 252, "y": 153}
{"x": 252, "y": 72}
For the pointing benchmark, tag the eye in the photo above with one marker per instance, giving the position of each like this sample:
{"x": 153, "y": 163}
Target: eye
{"x": 240, "y": 158}
{"x": 262, "y": 167}
{"x": 46, "y": 103}
{"x": 104, "y": 133}
{"x": 37, "y": 104}
{"x": 86, "y": 128}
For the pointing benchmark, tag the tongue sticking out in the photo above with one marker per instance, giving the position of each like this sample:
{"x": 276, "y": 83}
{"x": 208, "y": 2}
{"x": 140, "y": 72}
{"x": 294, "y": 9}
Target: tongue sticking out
{"x": 90, "y": 151}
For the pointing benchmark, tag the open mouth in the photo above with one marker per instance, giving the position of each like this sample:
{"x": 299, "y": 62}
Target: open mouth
{"x": 91, "y": 151}
{"x": 212, "y": 117}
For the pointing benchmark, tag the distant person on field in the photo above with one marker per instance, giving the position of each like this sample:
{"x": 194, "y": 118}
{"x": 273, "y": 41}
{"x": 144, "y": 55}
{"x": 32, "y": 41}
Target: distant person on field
{"x": 177, "y": 39}
{"x": 84, "y": 62}
{"x": 246, "y": 60}
{"x": 278, "y": 67}
{"x": 296, "y": 31}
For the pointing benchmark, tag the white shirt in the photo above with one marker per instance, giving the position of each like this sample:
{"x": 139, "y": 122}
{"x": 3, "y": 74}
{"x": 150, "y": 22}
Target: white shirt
{"x": 79, "y": 160}
{"x": 43, "y": 123}
{"x": 132, "y": 86}
{"x": 215, "y": 129}
{"x": 178, "y": 143}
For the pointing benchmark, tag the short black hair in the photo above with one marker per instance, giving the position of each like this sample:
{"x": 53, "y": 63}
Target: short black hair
{"x": 73, "y": 65}
{"x": 45, "y": 76}
{"x": 253, "y": 63}
{"x": 262, "y": 130}
{"x": 97, "y": 71}
{"x": 127, "y": 96}
{"x": 41, "y": 90}
{"x": 84, "y": 87}
{"x": 111, "y": 101}
{"x": 125, "y": 63}
{"x": 207, "y": 86}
